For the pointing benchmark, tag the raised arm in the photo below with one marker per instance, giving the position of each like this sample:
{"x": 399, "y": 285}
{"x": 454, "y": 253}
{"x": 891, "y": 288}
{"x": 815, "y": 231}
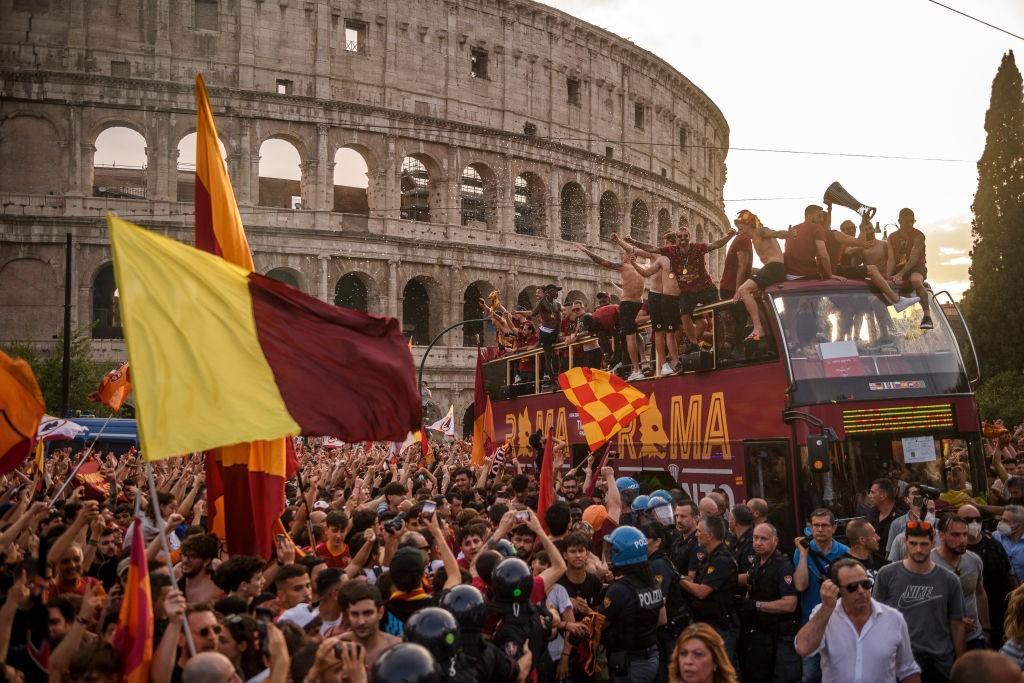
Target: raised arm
{"x": 605, "y": 263}
{"x": 641, "y": 245}
{"x": 722, "y": 241}
{"x": 648, "y": 271}
{"x": 777, "y": 234}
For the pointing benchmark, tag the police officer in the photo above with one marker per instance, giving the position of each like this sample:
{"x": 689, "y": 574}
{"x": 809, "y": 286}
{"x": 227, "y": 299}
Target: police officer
{"x": 478, "y": 659}
{"x": 633, "y": 608}
{"x": 770, "y": 614}
{"x": 405, "y": 663}
{"x": 712, "y": 588}
{"x": 667, "y": 578}
{"x": 436, "y": 630}
{"x": 685, "y": 544}
{"x": 521, "y": 626}
{"x": 742, "y": 526}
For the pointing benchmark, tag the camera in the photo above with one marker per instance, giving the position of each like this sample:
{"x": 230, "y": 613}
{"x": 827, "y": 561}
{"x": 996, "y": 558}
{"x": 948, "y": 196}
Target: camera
{"x": 395, "y": 524}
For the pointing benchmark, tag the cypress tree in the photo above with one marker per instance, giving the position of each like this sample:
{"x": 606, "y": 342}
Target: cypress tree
{"x": 995, "y": 302}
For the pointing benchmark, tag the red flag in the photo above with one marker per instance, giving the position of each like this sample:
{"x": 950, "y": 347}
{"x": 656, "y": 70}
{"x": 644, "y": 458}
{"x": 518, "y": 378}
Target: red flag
{"x": 134, "y": 635}
{"x": 91, "y": 479}
{"x": 546, "y": 490}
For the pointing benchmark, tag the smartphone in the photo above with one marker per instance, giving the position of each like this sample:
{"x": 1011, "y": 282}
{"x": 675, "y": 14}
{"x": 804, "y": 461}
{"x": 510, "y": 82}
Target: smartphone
{"x": 522, "y": 516}
{"x": 429, "y": 508}
{"x": 338, "y": 646}
{"x": 280, "y": 539}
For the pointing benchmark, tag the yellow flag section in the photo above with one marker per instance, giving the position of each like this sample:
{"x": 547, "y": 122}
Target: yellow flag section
{"x": 605, "y": 402}
{"x": 201, "y": 379}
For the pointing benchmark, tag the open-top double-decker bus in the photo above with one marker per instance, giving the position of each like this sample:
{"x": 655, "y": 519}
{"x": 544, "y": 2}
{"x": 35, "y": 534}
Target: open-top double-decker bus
{"x": 841, "y": 391}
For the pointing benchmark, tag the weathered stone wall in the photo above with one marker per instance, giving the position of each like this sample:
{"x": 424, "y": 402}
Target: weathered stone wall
{"x": 404, "y": 87}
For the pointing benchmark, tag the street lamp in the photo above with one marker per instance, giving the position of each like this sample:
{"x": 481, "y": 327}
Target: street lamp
{"x": 423, "y": 361}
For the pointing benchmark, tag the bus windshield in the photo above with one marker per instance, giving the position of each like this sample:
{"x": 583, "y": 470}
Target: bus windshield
{"x": 849, "y": 345}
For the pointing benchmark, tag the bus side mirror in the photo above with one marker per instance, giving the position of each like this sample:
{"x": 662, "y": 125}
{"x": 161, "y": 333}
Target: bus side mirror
{"x": 817, "y": 453}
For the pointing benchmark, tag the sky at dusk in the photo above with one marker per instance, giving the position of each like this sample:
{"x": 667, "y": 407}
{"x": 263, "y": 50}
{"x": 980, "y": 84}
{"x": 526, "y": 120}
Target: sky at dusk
{"x": 874, "y": 77}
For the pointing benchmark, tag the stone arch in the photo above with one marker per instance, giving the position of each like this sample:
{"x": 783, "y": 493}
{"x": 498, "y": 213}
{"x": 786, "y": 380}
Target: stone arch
{"x": 698, "y": 233}
{"x": 573, "y": 212}
{"x": 527, "y": 297}
{"x": 422, "y": 309}
{"x": 683, "y": 222}
{"x": 609, "y": 214}
{"x": 419, "y": 178}
{"x": 289, "y": 276}
{"x": 185, "y": 166}
{"x": 351, "y": 181}
{"x": 120, "y": 162}
{"x": 106, "y": 315}
{"x": 529, "y": 200}
{"x": 30, "y": 300}
{"x": 31, "y": 158}
{"x": 664, "y": 225}
{"x": 353, "y": 290}
{"x": 640, "y": 220}
{"x": 468, "y": 417}
{"x": 478, "y": 195}
{"x": 282, "y": 172}
{"x": 472, "y": 310}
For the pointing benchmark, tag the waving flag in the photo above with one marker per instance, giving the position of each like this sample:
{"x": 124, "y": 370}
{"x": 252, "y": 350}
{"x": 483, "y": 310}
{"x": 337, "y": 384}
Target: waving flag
{"x": 134, "y": 635}
{"x": 446, "y": 425}
{"x": 114, "y": 388}
{"x": 21, "y": 409}
{"x": 546, "y": 488}
{"x": 605, "y": 401}
{"x": 483, "y": 417}
{"x": 58, "y": 429}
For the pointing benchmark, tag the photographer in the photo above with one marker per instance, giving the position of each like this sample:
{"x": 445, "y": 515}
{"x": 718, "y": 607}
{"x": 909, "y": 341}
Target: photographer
{"x": 813, "y": 557}
{"x": 919, "y": 508}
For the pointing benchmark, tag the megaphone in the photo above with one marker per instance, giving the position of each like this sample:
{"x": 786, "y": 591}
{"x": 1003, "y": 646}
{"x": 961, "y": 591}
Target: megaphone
{"x": 837, "y": 194}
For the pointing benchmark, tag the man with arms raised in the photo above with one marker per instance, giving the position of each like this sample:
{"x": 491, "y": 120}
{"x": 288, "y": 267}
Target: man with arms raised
{"x": 663, "y": 305}
{"x": 930, "y": 599}
{"x": 629, "y": 305}
{"x": 859, "y": 639}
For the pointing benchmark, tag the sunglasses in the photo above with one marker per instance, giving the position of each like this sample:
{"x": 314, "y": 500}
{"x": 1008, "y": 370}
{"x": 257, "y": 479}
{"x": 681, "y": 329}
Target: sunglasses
{"x": 866, "y": 584}
{"x": 204, "y": 632}
{"x": 924, "y": 526}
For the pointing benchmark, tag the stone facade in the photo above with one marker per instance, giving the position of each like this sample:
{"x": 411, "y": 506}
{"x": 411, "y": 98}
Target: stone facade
{"x": 602, "y": 135}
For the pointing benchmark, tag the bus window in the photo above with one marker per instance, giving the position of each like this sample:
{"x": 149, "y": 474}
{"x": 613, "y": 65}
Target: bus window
{"x": 731, "y": 328}
{"x": 767, "y": 476}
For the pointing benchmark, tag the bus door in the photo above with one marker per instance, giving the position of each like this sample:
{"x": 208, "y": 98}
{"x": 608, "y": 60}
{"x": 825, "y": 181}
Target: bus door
{"x": 767, "y": 474}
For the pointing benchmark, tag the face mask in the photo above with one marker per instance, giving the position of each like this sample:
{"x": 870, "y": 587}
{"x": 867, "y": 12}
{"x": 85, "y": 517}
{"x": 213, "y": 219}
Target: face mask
{"x": 974, "y": 529}
{"x": 1004, "y": 529}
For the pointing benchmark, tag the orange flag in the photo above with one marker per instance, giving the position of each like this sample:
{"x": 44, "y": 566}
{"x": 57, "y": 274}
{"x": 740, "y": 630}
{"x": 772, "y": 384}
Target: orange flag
{"x": 134, "y": 635}
{"x": 605, "y": 401}
{"x": 483, "y": 417}
{"x": 114, "y": 388}
{"x": 21, "y": 410}
{"x": 246, "y": 492}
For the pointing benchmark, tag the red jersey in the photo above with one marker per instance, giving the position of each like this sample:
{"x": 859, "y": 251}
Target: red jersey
{"x": 801, "y": 251}
{"x": 607, "y": 317}
{"x": 339, "y": 561}
{"x": 740, "y": 244}
{"x": 689, "y": 266}
{"x": 79, "y": 588}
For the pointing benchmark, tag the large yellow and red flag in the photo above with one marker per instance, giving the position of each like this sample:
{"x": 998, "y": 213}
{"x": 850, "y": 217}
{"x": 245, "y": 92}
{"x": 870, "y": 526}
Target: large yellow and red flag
{"x": 134, "y": 635}
{"x": 605, "y": 401}
{"x": 483, "y": 417}
{"x": 21, "y": 410}
{"x": 114, "y": 388}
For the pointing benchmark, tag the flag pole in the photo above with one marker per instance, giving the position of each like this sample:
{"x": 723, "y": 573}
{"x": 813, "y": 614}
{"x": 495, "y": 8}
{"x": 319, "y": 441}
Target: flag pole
{"x": 78, "y": 465}
{"x": 158, "y": 518}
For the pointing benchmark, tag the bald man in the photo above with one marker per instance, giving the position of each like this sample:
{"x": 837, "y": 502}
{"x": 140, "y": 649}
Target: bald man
{"x": 759, "y": 507}
{"x": 707, "y": 507}
{"x": 985, "y": 665}
{"x": 209, "y": 667}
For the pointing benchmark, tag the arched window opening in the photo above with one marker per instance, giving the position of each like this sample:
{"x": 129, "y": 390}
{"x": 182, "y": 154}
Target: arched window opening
{"x": 664, "y": 224}
{"x": 350, "y": 182}
{"x": 284, "y": 275}
{"x": 608, "y": 211}
{"x": 350, "y": 292}
{"x": 280, "y": 180}
{"x": 186, "y": 177}
{"x": 639, "y": 221}
{"x": 416, "y": 313}
{"x": 574, "y": 213}
{"x": 415, "y": 190}
{"x": 106, "y": 318}
{"x": 471, "y": 190}
{"x": 529, "y": 204}
{"x": 119, "y": 164}
{"x": 526, "y": 299}
{"x": 472, "y": 310}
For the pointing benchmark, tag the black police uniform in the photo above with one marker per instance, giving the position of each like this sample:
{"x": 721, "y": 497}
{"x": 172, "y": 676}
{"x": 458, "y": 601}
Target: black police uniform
{"x": 717, "y": 569}
{"x": 667, "y": 577}
{"x": 682, "y": 551}
{"x": 744, "y": 551}
{"x": 630, "y": 635}
{"x": 766, "y": 643}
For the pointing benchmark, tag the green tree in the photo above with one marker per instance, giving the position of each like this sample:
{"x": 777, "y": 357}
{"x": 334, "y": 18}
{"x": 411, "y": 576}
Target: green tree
{"x": 995, "y": 307}
{"x": 1001, "y": 396}
{"x": 47, "y": 366}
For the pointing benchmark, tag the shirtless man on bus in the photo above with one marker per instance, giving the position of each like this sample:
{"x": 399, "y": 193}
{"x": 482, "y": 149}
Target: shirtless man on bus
{"x": 766, "y": 244}
{"x": 629, "y": 305}
{"x": 663, "y": 306}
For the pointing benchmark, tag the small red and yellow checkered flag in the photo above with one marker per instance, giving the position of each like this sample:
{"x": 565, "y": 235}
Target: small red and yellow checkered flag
{"x": 606, "y": 402}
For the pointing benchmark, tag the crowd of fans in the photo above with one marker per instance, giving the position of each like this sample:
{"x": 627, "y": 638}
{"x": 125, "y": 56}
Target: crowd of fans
{"x": 392, "y": 568}
{"x": 664, "y": 285}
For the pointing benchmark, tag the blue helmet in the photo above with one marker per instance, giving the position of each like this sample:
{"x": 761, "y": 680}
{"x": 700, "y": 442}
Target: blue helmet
{"x": 662, "y": 493}
{"x": 626, "y": 483}
{"x": 640, "y": 503}
{"x": 629, "y": 546}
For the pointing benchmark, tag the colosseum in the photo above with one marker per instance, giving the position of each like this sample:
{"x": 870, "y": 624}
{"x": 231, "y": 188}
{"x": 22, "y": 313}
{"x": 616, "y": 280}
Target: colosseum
{"x": 441, "y": 149}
